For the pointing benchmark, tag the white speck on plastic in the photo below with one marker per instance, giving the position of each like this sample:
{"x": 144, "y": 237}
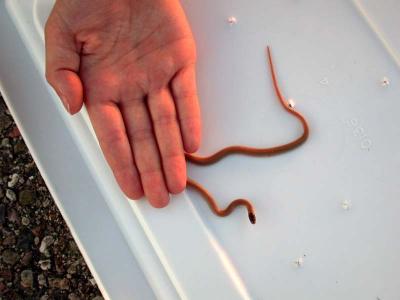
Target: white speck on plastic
{"x": 324, "y": 81}
{"x": 346, "y": 205}
{"x": 385, "y": 81}
{"x": 232, "y": 20}
{"x": 291, "y": 103}
{"x": 298, "y": 263}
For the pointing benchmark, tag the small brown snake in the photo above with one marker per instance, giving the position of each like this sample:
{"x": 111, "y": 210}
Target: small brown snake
{"x": 238, "y": 149}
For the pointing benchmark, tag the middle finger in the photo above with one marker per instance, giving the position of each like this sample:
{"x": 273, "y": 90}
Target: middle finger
{"x": 147, "y": 158}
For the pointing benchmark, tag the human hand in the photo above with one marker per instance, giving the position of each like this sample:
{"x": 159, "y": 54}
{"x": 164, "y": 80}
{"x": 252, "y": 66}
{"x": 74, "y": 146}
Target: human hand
{"x": 132, "y": 62}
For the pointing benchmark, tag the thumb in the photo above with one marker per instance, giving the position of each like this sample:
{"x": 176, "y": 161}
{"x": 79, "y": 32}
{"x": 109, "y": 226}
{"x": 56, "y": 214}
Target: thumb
{"x": 62, "y": 65}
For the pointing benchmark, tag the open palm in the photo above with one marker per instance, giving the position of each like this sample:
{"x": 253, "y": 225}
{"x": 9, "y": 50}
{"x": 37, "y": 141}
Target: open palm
{"x": 132, "y": 62}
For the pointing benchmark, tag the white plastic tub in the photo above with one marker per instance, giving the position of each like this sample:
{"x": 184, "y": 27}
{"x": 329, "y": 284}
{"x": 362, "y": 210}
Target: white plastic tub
{"x": 334, "y": 202}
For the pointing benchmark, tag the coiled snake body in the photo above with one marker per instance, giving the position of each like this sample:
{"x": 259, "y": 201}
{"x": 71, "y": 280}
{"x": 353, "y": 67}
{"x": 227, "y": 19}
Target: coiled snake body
{"x": 250, "y": 151}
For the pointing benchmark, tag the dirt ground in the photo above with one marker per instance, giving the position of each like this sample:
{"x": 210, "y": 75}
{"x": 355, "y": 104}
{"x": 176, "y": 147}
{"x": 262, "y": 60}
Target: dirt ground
{"x": 38, "y": 256}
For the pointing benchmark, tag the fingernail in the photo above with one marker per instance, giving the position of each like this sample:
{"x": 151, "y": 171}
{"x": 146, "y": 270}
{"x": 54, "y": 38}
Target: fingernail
{"x": 164, "y": 202}
{"x": 65, "y": 103}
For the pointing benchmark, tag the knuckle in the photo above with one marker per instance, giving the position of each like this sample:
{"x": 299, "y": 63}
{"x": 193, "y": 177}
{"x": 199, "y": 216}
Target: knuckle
{"x": 116, "y": 136}
{"x": 184, "y": 85}
{"x": 161, "y": 76}
{"x": 190, "y": 123}
{"x": 186, "y": 94}
{"x": 174, "y": 159}
{"x": 165, "y": 120}
{"x": 140, "y": 135}
{"x": 123, "y": 171}
{"x": 150, "y": 171}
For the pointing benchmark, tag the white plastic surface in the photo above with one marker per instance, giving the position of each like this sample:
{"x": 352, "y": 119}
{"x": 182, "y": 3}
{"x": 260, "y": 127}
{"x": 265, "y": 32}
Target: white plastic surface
{"x": 331, "y": 57}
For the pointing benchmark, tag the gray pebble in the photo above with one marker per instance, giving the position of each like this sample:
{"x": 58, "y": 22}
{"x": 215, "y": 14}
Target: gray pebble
{"x": 46, "y": 202}
{"x": 64, "y": 284}
{"x": 72, "y": 268}
{"x": 92, "y": 281}
{"x": 3, "y": 288}
{"x": 46, "y": 242}
{"x": 27, "y": 278}
{"x": 5, "y": 142}
{"x": 25, "y": 221}
{"x": 26, "y": 258}
{"x": 13, "y": 216}
{"x": 14, "y": 180}
{"x": 98, "y": 298}
{"x": 25, "y": 239}
{"x": 73, "y": 296}
{"x": 45, "y": 264}
{"x": 9, "y": 257}
{"x": 29, "y": 166}
{"x": 5, "y": 122}
{"x": 42, "y": 189}
{"x": 26, "y": 197}
{"x": 73, "y": 247}
{"x": 47, "y": 253}
{"x": 59, "y": 283}
{"x": 10, "y": 194}
{"x": 41, "y": 280}
{"x": 54, "y": 282}
{"x": 2, "y": 213}
{"x": 45, "y": 297}
{"x": 9, "y": 241}
{"x": 19, "y": 147}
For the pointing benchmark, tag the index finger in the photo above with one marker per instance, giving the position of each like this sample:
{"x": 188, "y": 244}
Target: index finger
{"x": 110, "y": 130}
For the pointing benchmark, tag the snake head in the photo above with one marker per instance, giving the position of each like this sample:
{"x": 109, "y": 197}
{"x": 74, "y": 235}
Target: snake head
{"x": 252, "y": 218}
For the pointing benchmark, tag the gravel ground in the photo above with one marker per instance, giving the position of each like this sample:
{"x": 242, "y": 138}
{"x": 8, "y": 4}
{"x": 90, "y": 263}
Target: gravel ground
{"x": 38, "y": 256}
